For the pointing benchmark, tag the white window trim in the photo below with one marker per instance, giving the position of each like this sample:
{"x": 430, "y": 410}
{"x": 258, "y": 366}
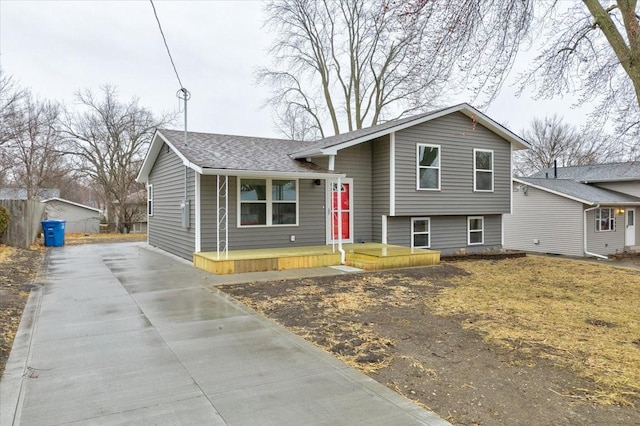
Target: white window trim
{"x": 493, "y": 166}
{"x": 150, "y": 200}
{"x": 469, "y": 219}
{"x": 418, "y": 166}
{"x": 612, "y": 219}
{"x": 428, "y": 232}
{"x": 269, "y": 203}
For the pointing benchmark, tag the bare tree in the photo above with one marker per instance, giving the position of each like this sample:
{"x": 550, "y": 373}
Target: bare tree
{"x": 552, "y": 139}
{"x": 34, "y": 149}
{"x": 109, "y": 139}
{"x": 10, "y": 96}
{"x": 592, "y": 51}
{"x": 354, "y": 63}
{"x": 357, "y": 62}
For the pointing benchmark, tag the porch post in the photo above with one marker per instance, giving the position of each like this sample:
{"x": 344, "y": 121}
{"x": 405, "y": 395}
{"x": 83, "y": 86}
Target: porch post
{"x": 222, "y": 217}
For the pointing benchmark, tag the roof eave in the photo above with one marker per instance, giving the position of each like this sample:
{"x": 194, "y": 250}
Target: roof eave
{"x": 580, "y": 200}
{"x": 62, "y": 200}
{"x": 631, "y": 179}
{"x": 272, "y": 174}
{"x": 152, "y": 155}
{"x": 551, "y": 191}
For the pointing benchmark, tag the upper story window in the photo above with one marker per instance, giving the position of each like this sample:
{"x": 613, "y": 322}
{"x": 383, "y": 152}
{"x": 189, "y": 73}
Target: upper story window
{"x": 605, "y": 220}
{"x": 483, "y": 170}
{"x": 150, "y": 200}
{"x": 268, "y": 202}
{"x": 428, "y": 166}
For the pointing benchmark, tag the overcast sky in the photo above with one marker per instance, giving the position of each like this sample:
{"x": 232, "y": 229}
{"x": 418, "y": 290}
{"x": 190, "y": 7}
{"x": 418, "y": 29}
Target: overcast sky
{"x": 58, "y": 47}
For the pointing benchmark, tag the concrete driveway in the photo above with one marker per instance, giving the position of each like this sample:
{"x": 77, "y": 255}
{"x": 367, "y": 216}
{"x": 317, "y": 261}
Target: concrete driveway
{"x": 124, "y": 334}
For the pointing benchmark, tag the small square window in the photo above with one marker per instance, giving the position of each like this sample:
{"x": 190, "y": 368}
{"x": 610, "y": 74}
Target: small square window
{"x": 420, "y": 232}
{"x": 605, "y": 220}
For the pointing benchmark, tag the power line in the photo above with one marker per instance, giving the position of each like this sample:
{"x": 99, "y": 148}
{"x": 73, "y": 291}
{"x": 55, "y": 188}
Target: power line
{"x": 164, "y": 39}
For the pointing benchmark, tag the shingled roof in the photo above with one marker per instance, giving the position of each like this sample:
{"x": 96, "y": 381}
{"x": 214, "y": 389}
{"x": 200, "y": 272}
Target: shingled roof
{"x": 209, "y": 153}
{"x": 330, "y": 144}
{"x": 587, "y": 194}
{"x": 596, "y": 172}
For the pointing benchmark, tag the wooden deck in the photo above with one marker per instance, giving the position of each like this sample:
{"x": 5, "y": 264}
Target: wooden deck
{"x": 368, "y": 256}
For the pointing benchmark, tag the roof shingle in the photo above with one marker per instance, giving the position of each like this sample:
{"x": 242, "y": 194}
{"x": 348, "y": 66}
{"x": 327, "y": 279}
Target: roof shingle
{"x": 215, "y": 151}
{"x": 591, "y": 194}
{"x": 595, "y": 172}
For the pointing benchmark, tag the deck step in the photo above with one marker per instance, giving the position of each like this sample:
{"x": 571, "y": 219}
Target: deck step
{"x": 368, "y": 256}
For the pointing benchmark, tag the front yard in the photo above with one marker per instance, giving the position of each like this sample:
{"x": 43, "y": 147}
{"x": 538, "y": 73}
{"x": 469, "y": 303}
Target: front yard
{"x": 533, "y": 340}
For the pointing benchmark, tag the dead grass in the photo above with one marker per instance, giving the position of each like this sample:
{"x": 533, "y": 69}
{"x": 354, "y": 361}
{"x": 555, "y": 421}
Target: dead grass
{"x": 76, "y": 235}
{"x": 82, "y": 238}
{"x": 583, "y": 315}
{"x": 6, "y": 252}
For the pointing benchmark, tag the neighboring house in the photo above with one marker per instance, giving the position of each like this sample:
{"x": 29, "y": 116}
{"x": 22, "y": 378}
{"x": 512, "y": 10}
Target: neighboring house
{"x": 440, "y": 180}
{"x": 584, "y": 211}
{"x": 79, "y": 218}
{"x": 136, "y": 203}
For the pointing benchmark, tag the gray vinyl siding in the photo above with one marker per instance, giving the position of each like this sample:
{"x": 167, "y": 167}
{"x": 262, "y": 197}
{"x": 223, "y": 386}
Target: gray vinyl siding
{"x": 631, "y": 188}
{"x": 208, "y": 215}
{"x": 448, "y": 233}
{"x": 356, "y": 162}
{"x": 309, "y": 231}
{"x": 165, "y": 229}
{"x": 380, "y": 184}
{"x": 457, "y": 136}
{"x": 607, "y": 242}
{"x": 556, "y": 222}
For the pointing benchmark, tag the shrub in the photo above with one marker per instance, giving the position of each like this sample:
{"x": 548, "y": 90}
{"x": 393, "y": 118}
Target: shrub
{"x": 4, "y": 219}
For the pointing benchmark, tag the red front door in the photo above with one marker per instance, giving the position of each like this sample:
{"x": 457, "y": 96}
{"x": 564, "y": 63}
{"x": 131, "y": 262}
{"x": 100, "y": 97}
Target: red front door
{"x": 340, "y": 214}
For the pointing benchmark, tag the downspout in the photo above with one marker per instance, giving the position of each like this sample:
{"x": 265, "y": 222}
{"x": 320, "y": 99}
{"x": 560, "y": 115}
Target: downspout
{"x": 584, "y": 233}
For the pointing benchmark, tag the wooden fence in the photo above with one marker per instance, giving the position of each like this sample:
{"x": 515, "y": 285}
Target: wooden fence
{"x": 24, "y": 223}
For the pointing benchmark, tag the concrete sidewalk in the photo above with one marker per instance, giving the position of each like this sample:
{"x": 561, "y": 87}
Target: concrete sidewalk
{"x": 122, "y": 334}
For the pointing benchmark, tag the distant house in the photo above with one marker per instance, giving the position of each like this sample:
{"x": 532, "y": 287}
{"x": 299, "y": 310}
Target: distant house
{"x": 79, "y": 218}
{"x": 577, "y": 211}
{"x": 439, "y": 180}
{"x": 136, "y": 205}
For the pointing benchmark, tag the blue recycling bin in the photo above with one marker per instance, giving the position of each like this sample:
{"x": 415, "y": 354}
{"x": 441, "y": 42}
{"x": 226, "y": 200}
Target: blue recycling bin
{"x": 53, "y": 230}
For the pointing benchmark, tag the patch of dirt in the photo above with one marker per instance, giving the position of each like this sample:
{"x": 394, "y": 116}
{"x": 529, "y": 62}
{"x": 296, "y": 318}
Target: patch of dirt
{"x": 381, "y": 323}
{"x": 18, "y": 270}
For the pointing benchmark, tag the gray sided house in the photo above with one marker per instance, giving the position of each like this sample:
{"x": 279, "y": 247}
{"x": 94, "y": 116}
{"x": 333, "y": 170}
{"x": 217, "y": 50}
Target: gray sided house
{"x": 576, "y": 211}
{"x": 439, "y": 180}
{"x": 79, "y": 218}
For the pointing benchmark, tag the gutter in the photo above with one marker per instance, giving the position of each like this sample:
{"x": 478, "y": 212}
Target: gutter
{"x": 584, "y": 232}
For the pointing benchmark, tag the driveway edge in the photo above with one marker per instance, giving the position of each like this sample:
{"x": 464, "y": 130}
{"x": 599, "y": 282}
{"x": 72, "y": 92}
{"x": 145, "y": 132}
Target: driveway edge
{"x": 15, "y": 371}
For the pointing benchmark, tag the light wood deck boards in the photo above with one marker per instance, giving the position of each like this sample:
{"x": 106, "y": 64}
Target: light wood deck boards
{"x": 368, "y": 256}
